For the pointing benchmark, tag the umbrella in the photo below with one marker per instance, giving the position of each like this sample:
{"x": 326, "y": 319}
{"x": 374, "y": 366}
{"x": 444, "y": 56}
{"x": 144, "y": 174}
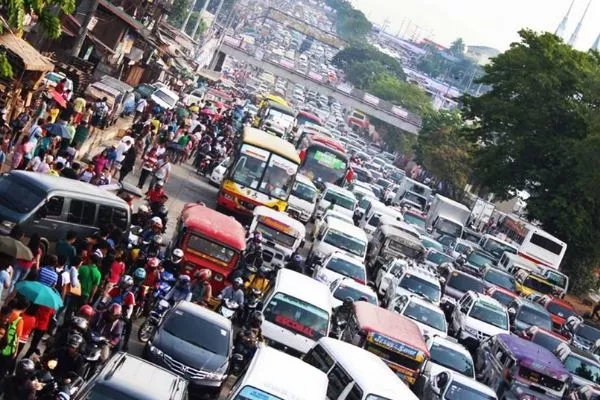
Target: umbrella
{"x": 57, "y": 97}
{"x": 182, "y": 112}
{"x": 14, "y": 248}
{"x": 39, "y": 294}
{"x": 58, "y": 130}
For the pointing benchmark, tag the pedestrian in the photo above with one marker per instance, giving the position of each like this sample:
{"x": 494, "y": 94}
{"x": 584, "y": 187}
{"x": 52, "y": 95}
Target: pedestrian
{"x": 6, "y": 273}
{"x": 43, "y": 317}
{"x": 140, "y": 107}
{"x": 149, "y": 161}
{"x": 100, "y": 162}
{"x": 72, "y": 172}
{"x": 128, "y": 162}
{"x": 47, "y": 275}
{"x": 90, "y": 278}
{"x": 117, "y": 269}
{"x": 10, "y": 317}
{"x": 24, "y": 267}
{"x": 44, "y": 166}
{"x": 88, "y": 174}
{"x": 28, "y": 325}
{"x": 19, "y": 153}
{"x": 99, "y": 116}
{"x": 78, "y": 108}
{"x": 162, "y": 169}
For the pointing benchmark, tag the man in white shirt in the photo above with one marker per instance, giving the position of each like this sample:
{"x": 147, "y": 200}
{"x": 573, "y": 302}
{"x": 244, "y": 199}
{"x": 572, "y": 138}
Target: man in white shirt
{"x": 140, "y": 107}
{"x": 161, "y": 171}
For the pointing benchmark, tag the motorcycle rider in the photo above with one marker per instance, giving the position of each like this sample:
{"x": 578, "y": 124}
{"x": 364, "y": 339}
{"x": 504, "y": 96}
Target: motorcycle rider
{"x": 142, "y": 217}
{"x": 254, "y": 243}
{"x": 201, "y": 287}
{"x": 234, "y": 292}
{"x": 108, "y": 324}
{"x": 69, "y": 359}
{"x": 295, "y": 263}
{"x": 343, "y": 311}
{"x": 155, "y": 228}
{"x": 77, "y": 325}
{"x": 173, "y": 263}
{"x": 20, "y": 386}
{"x": 124, "y": 296}
{"x": 180, "y": 291}
{"x": 261, "y": 279}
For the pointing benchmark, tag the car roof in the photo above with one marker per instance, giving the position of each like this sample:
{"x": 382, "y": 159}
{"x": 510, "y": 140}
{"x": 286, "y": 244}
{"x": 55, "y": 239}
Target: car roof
{"x": 349, "y": 282}
{"x": 305, "y": 180}
{"x": 280, "y": 217}
{"x": 488, "y": 299}
{"x": 424, "y": 303}
{"x": 341, "y": 190}
{"x": 347, "y": 228}
{"x": 205, "y": 313}
{"x": 343, "y": 256}
{"x": 284, "y": 376}
{"x": 380, "y": 379}
{"x": 138, "y": 378}
{"x": 472, "y": 383}
{"x": 459, "y": 348}
{"x": 303, "y": 288}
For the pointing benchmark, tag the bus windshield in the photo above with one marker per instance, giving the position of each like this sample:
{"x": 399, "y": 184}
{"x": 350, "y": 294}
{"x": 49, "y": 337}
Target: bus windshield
{"x": 280, "y": 118}
{"x": 265, "y": 172}
{"x": 297, "y": 315}
{"x": 319, "y": 162}
{"x": 209, "y": 248}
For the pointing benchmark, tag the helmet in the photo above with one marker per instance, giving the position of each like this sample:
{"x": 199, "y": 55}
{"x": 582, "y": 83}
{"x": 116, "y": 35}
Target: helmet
{"x": 153, "y": 262}
{"x": 126, "y": 282}
{"x": 139, "y": 274}
{"x": 238, "y": 281}
{"x": 257, "y": 319}
{"x": 297, "y": 259}
{"x": 163, "y": 210}
{"x": 25, "y": 368}
{"x": 156, "y": 221}
{"x": 143, "y": 208}
{"x": 257, "y": 238}
{"x": 80, "y": 324}
{"x": 183, "y": 279}
{"x": 203, "y": 275}
{"x": 348, "y": 301}
{"x": 157, "y": 239}
{"x": 177, "y": 254}
{"x": 86, "y": 311}
{"x": 114, "y": 310}
{"x": 75, "y": 340}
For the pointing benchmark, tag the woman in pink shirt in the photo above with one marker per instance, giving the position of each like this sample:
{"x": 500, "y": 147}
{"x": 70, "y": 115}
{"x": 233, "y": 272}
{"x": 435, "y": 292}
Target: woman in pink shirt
{"x": 117, "y": 269}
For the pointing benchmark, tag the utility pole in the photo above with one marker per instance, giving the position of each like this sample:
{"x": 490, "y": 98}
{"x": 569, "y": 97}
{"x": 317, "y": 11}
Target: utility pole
{"x": 89, "y": 14}
{"x": 187, "y": 17}
{"x": 199, "y": 19}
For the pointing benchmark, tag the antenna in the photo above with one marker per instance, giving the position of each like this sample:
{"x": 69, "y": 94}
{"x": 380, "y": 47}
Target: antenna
{"x": 562, "y": 27}
{"x": 574, "y": 36}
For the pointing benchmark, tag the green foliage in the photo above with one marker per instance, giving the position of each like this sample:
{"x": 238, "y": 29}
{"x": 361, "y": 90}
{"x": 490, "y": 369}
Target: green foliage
{"x": 350, "y": 23}
{"x": 538, "y": 131}
{"x": 444, "y": 151}
{"x": 457, "y": 48}
{"x": 192, "y": 23}
{"x": 179, "y": 11}
{"x": 5, "y": 67}
{"x": 408, "y": 95}
{"x": 398, "y": 140}
{"x": 364, "y": 52}
{"x": 452, "y": 66}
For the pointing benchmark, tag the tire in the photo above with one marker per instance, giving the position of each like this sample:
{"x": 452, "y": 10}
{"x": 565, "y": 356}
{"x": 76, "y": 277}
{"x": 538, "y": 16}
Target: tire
{"x": 145, "y": 331}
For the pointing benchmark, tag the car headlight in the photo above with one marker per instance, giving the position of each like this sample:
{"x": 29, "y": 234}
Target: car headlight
{"x": 218, "y": 278}
{"x": 8, "y": 225}
{"x": 155, "y": 350}
{"x": 214, "y": 376}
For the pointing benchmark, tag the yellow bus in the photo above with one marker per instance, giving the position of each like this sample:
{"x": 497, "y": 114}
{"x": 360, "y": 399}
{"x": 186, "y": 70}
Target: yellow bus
{"x": 262, "y": 172}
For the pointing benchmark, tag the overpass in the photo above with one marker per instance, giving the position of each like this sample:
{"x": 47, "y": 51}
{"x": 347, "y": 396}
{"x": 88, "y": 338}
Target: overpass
{"x": 346, "y": 95}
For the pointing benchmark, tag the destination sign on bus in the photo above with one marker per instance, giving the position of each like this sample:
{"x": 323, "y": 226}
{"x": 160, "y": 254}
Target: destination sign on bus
{"x": 393, "y": 345}
{"x": 329, "y": 160}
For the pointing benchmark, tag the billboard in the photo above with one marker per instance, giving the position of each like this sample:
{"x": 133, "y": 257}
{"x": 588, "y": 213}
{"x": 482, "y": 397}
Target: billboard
{"x": 369, "y": 98}
{"x": 301, "y": 26}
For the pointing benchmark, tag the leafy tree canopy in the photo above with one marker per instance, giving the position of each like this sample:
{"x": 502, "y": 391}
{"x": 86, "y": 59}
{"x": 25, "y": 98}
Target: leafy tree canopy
{"x": 363, "y": 52}
{"x": 537, "y": 130}
{"x": 350, "y": 23}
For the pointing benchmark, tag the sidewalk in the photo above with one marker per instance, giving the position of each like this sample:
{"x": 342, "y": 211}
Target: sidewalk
{"x": 102, "y": 138}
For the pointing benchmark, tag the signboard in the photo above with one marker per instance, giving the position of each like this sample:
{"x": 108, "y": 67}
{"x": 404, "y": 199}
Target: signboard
{"x": 393, "y": 345}
{"x": 315, "y": 76}
{"x": 329, "y": 160}
{"x": 232, "y": 41}
{"x": 400, "y": 112}
{"x": 369, "y": 98}
{"x": 345, "y": 87}
{"x": 284, "y": 62}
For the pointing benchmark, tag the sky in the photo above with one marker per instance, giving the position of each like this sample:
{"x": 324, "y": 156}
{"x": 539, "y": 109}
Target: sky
{"x": 482, "y": 22}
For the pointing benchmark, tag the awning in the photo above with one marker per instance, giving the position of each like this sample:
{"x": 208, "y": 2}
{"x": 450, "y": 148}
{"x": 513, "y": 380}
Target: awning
{"x": 32, "y": 59}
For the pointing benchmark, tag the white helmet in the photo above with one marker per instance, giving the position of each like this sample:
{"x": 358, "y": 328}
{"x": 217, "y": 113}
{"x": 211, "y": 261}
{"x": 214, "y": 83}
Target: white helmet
{"x": 156, "y": 221}
{"x": 143, "y": 208}
{"x": 178, "y": 253}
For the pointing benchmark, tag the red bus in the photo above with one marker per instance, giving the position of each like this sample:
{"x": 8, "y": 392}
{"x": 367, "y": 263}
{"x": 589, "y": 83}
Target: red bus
{"x": 323, "y": 160}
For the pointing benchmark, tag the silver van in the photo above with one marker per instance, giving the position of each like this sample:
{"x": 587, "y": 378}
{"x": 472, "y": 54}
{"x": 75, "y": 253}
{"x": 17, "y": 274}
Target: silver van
{"x": 51, "y": 206}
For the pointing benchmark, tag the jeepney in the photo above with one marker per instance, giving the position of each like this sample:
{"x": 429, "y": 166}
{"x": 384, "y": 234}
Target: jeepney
{"x": 394, "y": 338}
{"x": 282, "y": 235}
{"x": 389, "y": 242}
{"x": 209, "y": 240}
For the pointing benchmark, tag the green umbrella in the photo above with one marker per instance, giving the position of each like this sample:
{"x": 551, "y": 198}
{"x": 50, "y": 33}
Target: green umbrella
{"x": 39, "y": 294}
{"x": 182, "y": 112}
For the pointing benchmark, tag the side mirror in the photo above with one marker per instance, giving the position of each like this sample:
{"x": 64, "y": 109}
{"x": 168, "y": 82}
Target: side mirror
{"x": 42, "y": 212}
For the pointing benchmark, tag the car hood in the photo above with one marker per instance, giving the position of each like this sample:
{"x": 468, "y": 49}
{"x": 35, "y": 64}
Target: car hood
{"x": 484, "y": 327}
{"x": 432, "y": 369}
{"x": 188, "y": 353}
{"x": 301, "y": 204}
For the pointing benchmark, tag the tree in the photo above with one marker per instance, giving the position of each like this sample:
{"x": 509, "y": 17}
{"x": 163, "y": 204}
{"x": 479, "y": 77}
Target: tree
{"x": 179, "y": 11}
{"x": 537, "y": 130}
{"x": 444, "y": 151}
{"x": 410, "y": 96}
{"x": 350, "y": 23}
{"x": 363, "y": 52}
{"x": 362, "y": 74}
{"x": 457, "y": 48}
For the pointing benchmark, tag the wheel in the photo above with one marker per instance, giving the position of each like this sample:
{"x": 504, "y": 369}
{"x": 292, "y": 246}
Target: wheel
{"x": 145, "y": 331}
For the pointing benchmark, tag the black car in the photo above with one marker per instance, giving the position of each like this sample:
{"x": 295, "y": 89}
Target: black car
{"x": 128, "y": 377}
{"x": 195, "y": 343}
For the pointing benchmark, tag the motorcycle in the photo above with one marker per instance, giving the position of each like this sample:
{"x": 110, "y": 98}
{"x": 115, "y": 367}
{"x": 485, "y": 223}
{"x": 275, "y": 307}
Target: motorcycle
{"x": 228, "y": 308}
{"x": 141, "y": 297}
{"x": 243, "y": 351}
{"x": 252, "y": 301}
{"x": 93, "y": 353}
{"x": 204, "y": 165}
{"x": 51, "y": 388}
{"x": 149, "y": 325}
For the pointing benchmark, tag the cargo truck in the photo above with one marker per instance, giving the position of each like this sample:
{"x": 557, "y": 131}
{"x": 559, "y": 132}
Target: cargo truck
{"x": 446, "y": 217}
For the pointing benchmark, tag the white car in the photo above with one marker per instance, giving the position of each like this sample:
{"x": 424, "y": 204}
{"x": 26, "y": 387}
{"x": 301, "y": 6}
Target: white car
{"x": 330, "y": 214}
{"x": 476, "y": 317}
{"x": 343, "y": 198}
{"x": 216, "y": 176}
{"x": 429, "y": 318}
{"x": 340, "y": 265}
{"x": 342, "y": 288}
{"x": 303, "y": 199}
{"x": 389, "y": 274}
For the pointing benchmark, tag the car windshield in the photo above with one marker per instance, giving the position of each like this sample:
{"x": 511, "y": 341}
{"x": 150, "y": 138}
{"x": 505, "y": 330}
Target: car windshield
{"x": 546, "y": 340}
{"x": 345, "y": 242}
{"x": 588, "y": 332}
{"x": 560, "y": 310}
{"x": 340, "y": 199}
{"x": 275, "y": 235}
{"x": 252, "y": 393}
{"x": 490, "y": 314}
{"x": 297, "y": 315}
{"x": 426, "y": 316}
{"x": 196, "y": 330}
{"x": 557, "y": 279}
{"x": 347, "y": 268}
{"x": 458, "y": 391}
{"x": 414, "y": 220}
{"x": 452, "y": 359}
{"x": 210, "y": 249}
{"x": 344, "y": 291}
{"x": 538, "y": 285}
{"x": 534, "y": 317}
{"x": 420, "y": 287}
{"x": 280, "y": 118}
{"x": 18, "y": 196}
{"x": 501, "y": 279}
{"x": 449, "y": 228}
{"x": 583, "y": 368}
{"x": 501, "y": 297}
{"x": 304, "y": 192}
{"x": 165, "y": 97}
{"x": 429, "y": 243}
{"x": 438, "y": 258}
{"x": 464, "y": 283}
{"x": 479, "y": 260}
{"x": 268, "y": 173}
{"x": 384, "y": 183}
{"x": 497, "y": 248}
{"x": 414, "y": 198}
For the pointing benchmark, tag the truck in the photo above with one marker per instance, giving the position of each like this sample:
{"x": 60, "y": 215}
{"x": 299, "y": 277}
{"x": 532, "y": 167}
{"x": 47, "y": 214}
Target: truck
{"x": 410, "y": 185}
{"x": 446, "y": 217}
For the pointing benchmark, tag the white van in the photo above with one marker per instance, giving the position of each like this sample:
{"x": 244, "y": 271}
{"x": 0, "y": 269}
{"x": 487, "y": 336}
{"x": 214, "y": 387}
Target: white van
{"x": 297, "y": 312}
{"x": 356, "y": 374}
{"x": 336, "y": 235}
{"x": 282, "y": 235}
{"x": 371, "y": 218}
{"x": 511, "y": 263}
{"x": 276, "y": 375}
{"x": 344, "y": 199}
{"x": 165, "y": 98}
{"x": 303, "y": 199}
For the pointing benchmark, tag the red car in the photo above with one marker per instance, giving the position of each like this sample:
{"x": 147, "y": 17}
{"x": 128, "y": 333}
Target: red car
{"x": 502, "y": 295}
{"x": 559, "y": 311}
{"x": 542, "y": 337}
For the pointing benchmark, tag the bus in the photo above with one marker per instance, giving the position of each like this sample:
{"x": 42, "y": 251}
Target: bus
{"x": 324, "y": 160}
{"x": 307, "y": 118}
{"x": 535, "y": 244}
{"x": 262, "y": 172}
{"x": 358, "y": 120}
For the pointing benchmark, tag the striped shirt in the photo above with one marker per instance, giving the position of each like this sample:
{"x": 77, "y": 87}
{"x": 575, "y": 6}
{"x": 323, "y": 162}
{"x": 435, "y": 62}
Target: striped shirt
{"x": 48, "y": 276}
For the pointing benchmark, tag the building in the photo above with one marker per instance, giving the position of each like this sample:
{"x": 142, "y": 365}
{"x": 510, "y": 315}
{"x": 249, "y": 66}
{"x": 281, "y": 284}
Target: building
{"x": 481, "y": 54}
